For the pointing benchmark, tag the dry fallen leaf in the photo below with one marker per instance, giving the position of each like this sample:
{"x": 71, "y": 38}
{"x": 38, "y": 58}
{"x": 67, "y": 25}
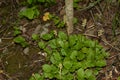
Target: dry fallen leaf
{"x": 84, "y": 23}
{"x": 100, "y": 32}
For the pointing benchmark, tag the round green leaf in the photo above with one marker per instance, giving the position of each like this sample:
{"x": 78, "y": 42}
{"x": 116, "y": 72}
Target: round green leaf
{"x": 35, "y": 37}
{"x": 67, "y": 64}
{"x": 36, "y": 76}
{"x": 81, "y": 73}
{"x": 100, "y": 63}
{"x": 62, "y": 35}
{"x": 73, "y": 55}
{"x": 41, "y": 44}
{"x": 47, "y": 68}
{"x": 88, "y": 73}
{"x": 19, "y": 39}
{"x": 46, "y": 36}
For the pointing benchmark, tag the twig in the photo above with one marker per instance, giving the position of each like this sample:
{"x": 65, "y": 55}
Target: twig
{"x": 92, "y": 15}
{"x": 7, "y": 76}
{"x": 90, "y": 35}
{"x": 110, "y": 45}
{"x": 103, "y": 41}
{"x": 97, "y": 8}
{"x": 6, "y": 46}
{"x": 91, "y": 5}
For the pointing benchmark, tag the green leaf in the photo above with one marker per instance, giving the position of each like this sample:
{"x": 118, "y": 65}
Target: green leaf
{"x": 90, "y": 63}
{"x": 56, "y": 21}
{"x": 60, "y": 42}
{"x": 17, "y": 32}
{"x": 36, "y": 76}
{"x": 67, "y": 64}
{"x": 75, "y": 20}
{"x": 19, "y": 39}
{"x": 96, "y": 71}
{"x": 81, "y": 38}
{"x": 57, "y": 56}
{"x": 61, "y": 24}
{"x": 55, "y": 69}
{"x": 35, "y": 36}
{"x": 92, "y": 77}
{"x": 84, "y": 64}
{"x": 62, "y": 35}
{"x": 66, "y": 45}
{"x": 47, "y": 50}
{"x": 78, "y": 45}
{"x": 24, "y": 44}
{"x": 52, "y": 59}
{"x": 73, "y": 55}
{"x": 30, "y": 1}
{"x": 47, "y": 68}
{"x": 90, "y": 54}
{"x": 47, "y": 36}
{"x": 65, "y": 71}
{"x": 89, "y": 43}
{"x": 76, "y": 65}
{"x": 105, "y": 54}
{"x": 72, "y": 40}
{"x": 29, "y": 13}
{"x": 53, "y": 44}
{"x": 100, "y": 63}
{"x": 51, "y": 72}
{"x": 48, "y": 75}
{"x": 70, "y": 76}
{"x": 85, "y": 50}
{"x": 36, "y": 13}
{"x": 80, "y": 55}
{"x": 80, "y": 74}
{"x": 63, "y": 52}
{"x": 88, "y": 73}
{"x": 119, "y": 78}
{"x": 41, "y": 44}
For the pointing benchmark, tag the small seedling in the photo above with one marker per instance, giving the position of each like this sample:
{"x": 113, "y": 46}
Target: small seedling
{"x": 57, "y": 21}
{"x": 29, "y": 13}
{"x": 35, "y": 37}
{"x": 17, "y": 31}
{"x": 20, "y": 40}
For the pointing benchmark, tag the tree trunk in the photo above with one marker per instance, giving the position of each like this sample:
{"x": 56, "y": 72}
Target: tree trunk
{"x": 69, "y": 15}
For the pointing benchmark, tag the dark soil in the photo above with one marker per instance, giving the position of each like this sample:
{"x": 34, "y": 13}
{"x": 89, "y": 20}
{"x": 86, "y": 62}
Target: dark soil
{"x": 17, "y": 65}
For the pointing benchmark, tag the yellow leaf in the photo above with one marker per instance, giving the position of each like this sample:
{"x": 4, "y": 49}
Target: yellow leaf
{"x": 1, "y": 71}
{"x": 46, "y": 16}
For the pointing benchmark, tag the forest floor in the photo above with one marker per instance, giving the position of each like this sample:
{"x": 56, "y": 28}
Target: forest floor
{"x": 102, "y": 24}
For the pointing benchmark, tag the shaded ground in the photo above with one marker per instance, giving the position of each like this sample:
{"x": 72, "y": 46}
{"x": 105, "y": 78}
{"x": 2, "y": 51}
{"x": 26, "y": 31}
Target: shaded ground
{"x": 15, "y": 64}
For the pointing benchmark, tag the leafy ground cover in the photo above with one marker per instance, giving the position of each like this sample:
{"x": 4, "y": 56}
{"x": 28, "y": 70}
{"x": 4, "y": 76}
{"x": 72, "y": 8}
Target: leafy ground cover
{"x": 23, "y": 52}
{"x": 71, "y": 57}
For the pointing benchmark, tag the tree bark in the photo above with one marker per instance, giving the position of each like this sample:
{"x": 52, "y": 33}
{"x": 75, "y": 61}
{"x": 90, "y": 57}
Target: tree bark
{"x": 69, "y": 15}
